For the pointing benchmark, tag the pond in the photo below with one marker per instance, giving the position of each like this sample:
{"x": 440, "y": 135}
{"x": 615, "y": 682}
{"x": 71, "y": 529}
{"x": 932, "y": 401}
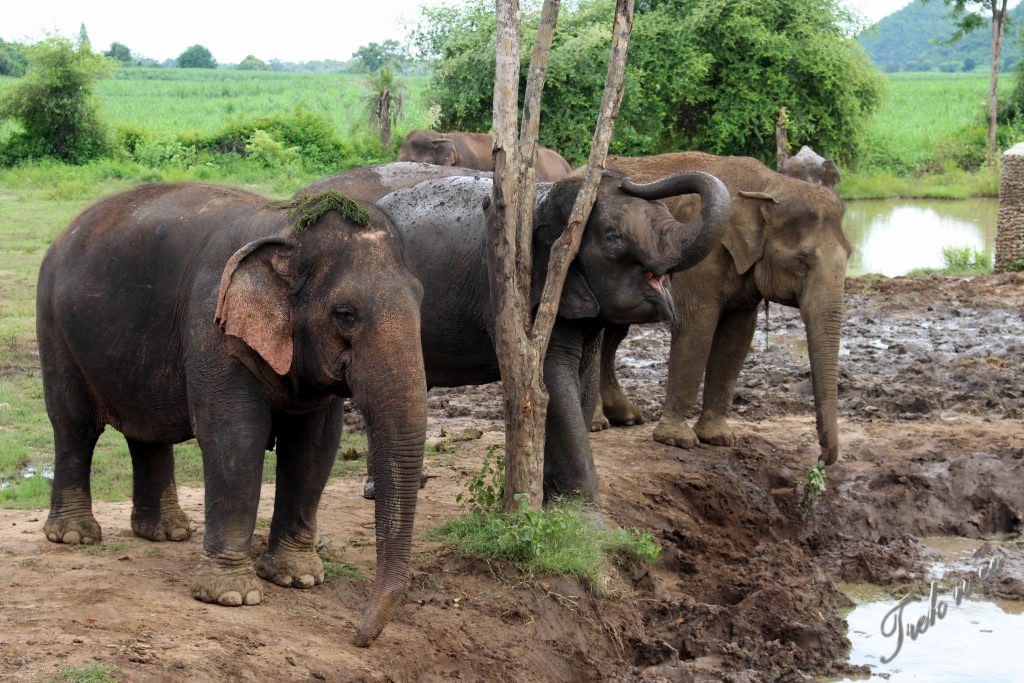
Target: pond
{"x": 895, "y": 236}
{"x": 975, "y": 639}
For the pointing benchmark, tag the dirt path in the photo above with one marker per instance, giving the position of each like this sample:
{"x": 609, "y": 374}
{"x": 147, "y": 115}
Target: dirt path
{"x": 931, "y": 443}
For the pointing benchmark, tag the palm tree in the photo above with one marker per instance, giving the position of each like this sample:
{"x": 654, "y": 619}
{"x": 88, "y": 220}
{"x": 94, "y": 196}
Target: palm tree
{"x": 384, "y": 102}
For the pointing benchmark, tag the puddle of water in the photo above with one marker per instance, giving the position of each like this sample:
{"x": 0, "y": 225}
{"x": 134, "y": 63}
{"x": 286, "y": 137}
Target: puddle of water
{"x": 30, "y": 470}
{"x": 977, "y": 640}
{"x": 892, "y": 237}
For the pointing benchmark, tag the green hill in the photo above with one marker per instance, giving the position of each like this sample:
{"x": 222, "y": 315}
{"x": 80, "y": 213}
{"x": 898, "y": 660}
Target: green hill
{"x": 911, "y": 39}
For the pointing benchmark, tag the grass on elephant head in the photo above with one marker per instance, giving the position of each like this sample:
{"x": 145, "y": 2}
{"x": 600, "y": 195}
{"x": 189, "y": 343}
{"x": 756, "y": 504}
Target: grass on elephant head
{"x": 564, "y": 539}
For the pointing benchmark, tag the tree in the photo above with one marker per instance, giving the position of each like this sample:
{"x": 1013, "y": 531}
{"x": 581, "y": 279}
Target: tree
{"x": 120, "y": 52}
{"x": 13, "y": 59}
{"x": 377, "y": 56}
{"x": 253, "y": 63}
{"x": 385, "y": 103}
{"x": 521, "y": 338}
{"x": 54, "y": 103}
{"x": 967, "y": 16}
{"x": 83, "y": 38}
{"x": 702, "y": 74}
{"x": 196, "y": 57}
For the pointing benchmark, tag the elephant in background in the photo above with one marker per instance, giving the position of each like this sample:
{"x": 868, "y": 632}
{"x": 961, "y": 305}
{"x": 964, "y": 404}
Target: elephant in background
{"x": 473, "y": 150}
{"x": 811, "y": 167}
{"x": 783, "y": 243}
{"x": 630, "y": 244}
{"x": 173, "y": 311}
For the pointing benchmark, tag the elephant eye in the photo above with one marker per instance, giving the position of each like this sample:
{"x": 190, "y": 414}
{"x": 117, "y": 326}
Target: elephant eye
{"x": 345, "y": 315}
{"x": 613, "y": 244}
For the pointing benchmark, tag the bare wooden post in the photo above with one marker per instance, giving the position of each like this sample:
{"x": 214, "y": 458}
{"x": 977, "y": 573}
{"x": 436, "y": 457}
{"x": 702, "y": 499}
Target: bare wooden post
{"x": 781, "y": 140}
{"x": 520, "y": 342}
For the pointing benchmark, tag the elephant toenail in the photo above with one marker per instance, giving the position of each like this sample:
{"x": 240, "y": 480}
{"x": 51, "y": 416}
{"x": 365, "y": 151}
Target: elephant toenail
{"x": 230, "y": 599}
{"x": 179, "y": 534}
{"x": 253, "y": 597}
{"x": 283, "y": 579}
{"x": 305, "y": 581}
{"x": 72, "y": 537}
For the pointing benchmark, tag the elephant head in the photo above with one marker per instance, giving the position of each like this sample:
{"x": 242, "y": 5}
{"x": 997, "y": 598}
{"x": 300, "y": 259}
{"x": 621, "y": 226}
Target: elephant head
{"x": 332, "y": 308}
{"x": 811, "y": 167}
{"x": 630, "y": 245}
{"x": 792, "y": 238}
{"x": 428, "y": 147}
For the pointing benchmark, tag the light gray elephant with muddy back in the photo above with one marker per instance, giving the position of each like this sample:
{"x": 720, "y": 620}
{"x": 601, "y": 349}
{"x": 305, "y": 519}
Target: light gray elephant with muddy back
{"x": 783, "y": 243}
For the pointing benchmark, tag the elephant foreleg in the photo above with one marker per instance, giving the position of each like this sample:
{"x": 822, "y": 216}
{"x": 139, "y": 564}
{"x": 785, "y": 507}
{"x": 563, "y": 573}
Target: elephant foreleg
{"x": 233, "y": 429}
{"x": 617, "y": 408}
{"x": 692, "y": 334}
{"x": 568, "y": 461}
{"x": 156, "y": 514}
{"x": 728, "y": 351}
{"x": 306, "y": 448}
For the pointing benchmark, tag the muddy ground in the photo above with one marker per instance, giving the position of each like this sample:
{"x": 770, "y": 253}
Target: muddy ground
{"x": 932, "y": 442}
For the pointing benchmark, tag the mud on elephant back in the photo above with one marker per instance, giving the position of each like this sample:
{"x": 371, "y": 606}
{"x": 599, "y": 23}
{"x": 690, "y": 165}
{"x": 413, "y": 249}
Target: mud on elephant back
{"x": 629, "y": 246}
{"x": 783, "y": 243}
{"x": 173, "y": 311}
{"x": 474, "y": 151}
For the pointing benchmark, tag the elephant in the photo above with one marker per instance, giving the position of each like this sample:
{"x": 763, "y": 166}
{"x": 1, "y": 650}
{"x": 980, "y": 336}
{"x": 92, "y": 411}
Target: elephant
{"x": 784, "y": 243}
{"x": 178, "y": 310}
{"x": 473, "y": 150}
{"x": 811, "y": 167}
{"x": 629, "y": 245}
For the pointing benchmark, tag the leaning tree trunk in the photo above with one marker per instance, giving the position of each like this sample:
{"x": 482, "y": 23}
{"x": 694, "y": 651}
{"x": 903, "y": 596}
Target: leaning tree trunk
{"x": 522, "y": 344}
{"x": 998, "y": 26}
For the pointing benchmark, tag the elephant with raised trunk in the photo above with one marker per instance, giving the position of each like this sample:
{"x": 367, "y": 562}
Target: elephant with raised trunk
{"x": 173, "y": 311}
{"x": 629, "y": 246}
{"x": 783, "y": 243}
{"x": 473, "y": 150}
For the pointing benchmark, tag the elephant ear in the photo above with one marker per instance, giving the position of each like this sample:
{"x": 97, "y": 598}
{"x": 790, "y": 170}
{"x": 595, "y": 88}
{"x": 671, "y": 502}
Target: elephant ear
{"x": 444, "y": 152}
{"x": 744, "y": 235}
{"x": 830, "y": 173}
{"x": 254, "y": 303}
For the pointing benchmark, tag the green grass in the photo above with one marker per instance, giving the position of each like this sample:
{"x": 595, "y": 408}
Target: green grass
{"x": 928, "y": 140}
{"x": 561, "y": 540}
{"x": 964, "y": 260}
{"x": 97, "y": 673}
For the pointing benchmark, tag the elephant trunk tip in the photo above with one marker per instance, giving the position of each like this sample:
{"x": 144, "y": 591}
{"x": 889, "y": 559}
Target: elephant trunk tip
{"x": 363, "y": 639}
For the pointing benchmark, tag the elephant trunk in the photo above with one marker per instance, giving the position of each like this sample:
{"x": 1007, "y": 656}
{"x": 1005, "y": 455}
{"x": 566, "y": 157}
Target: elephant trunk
{"x": 394, "y": 405}
{"x": 684, "y": 245}
{"x": 823, "y": 322}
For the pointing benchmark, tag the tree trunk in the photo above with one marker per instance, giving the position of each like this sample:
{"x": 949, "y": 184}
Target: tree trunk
{"x": 998, "y": 26}
{"x": 521, "y": 344}
{"x": 781, "y": 140}
{"x": 385, "y": 119}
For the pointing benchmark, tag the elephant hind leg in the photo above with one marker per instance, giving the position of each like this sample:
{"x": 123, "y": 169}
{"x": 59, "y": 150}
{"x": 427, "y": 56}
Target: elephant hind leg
{"x": 156, "y": 514}
{"x": 616, "y": 407}
{"x": 76, "y": 428}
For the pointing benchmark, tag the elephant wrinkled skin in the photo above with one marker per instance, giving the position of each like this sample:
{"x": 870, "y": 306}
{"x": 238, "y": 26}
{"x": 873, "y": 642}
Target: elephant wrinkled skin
{"x": 783, "y": 243}
{"x": 629, "y": 245}
{"x": 473, "y": 150}
{"x": 811, "y": 167}
{"x": 173, "y": 311}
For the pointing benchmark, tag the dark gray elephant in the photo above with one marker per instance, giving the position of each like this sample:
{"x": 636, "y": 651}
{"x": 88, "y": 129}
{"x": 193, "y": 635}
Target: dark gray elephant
{"x": 473, "y": 150}
{"x": 784, "y": 243}
{"x": 173, "y": 311}
{"x": 629, "y": 246}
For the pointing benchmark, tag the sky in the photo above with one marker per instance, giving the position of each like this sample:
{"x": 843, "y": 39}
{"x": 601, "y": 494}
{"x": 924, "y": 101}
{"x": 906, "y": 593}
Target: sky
{"x": 294, "y": 31}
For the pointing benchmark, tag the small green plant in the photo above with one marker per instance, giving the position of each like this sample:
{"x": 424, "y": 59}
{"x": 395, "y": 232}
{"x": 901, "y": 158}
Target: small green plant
{"x": 484, "y": 490}
{"x": 814, "y": 484}
{"x": 966, "y": 258}
{"x": 1014, "y": 266}
{"x": 152, "y": 550}
{"x": 332, "y": 567}
{"x": 265, "y": 150}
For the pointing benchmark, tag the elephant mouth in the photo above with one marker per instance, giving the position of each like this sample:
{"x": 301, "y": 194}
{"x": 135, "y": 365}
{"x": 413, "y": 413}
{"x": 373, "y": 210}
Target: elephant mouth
{"x": 658, "y": 282}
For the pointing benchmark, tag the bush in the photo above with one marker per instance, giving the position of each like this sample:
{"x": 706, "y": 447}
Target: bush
{"x": 702, "y": 74}
{"x": 55, "y": 106}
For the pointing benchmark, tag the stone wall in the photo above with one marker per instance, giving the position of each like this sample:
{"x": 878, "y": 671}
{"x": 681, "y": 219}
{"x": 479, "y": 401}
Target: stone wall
{"x": 1010, "y": 223}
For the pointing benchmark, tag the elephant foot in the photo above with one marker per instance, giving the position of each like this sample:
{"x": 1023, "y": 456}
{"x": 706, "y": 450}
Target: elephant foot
{"x": 621, "y": 411}
{"x": 291, "y": 568}
{"x": 675, "y": 431}
{"x": 715, "y": 431}
{"x": 230, "y": 582}
{"x": 73, "y": 522}
{"x": 170, "y": 523}
{"x": 599, "y": 422}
